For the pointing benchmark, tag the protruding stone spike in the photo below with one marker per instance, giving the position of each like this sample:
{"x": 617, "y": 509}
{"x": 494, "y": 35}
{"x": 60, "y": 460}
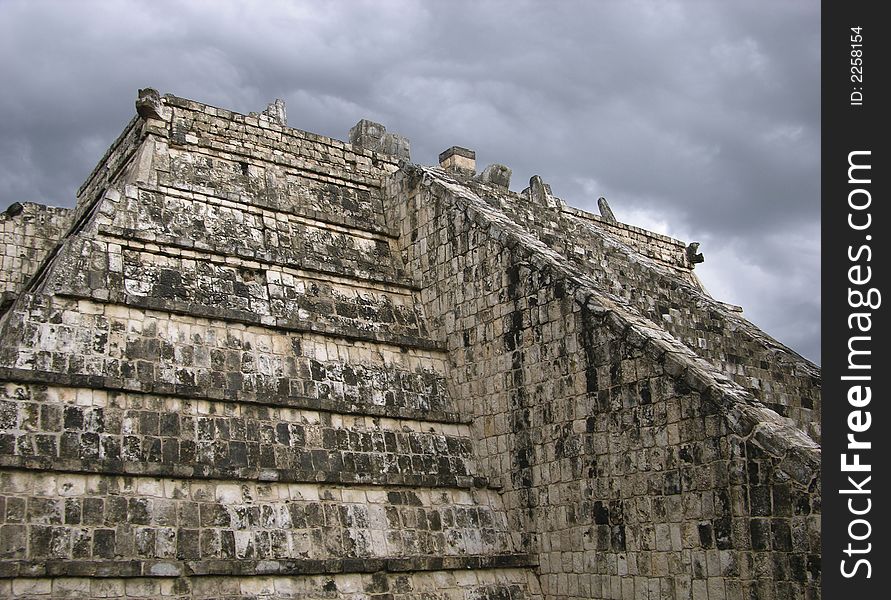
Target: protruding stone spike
{"x": 605, "y": 211}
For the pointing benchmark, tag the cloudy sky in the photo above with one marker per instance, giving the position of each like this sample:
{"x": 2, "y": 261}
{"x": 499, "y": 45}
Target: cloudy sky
{"x": 697, "y": 119}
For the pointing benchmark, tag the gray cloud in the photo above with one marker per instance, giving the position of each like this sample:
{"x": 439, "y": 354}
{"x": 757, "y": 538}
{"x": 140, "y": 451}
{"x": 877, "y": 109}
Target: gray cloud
{"x": 698, "y": 118}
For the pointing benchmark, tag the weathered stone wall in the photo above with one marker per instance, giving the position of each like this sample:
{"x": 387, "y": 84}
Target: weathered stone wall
{"x": 633, "y": 468}
{"x": 277, "y": 167}
{"x": 667, "y": 251}
{"x": 199, "y": 283}
{"x": 131, "y": 348}
{"x": 111, "y": 167}
{"x": 159, "y": 523}
{"x": 653, "y": 274}
{"x": 27, "y": 236}
{"x": 65, "y": 429}
{"x": 241, "y": 230}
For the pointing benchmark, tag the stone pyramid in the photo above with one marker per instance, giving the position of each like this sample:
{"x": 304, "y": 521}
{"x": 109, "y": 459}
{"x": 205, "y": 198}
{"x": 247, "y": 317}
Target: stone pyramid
{"x": 255, "y": 362}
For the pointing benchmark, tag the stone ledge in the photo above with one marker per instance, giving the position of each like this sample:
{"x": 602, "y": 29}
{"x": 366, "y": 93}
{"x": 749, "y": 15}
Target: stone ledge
{"x": 132, "y": 126}
{"x": 281, "y": 324}
{"x": 298, "y": 160}
{"x": 261, "y": 203}
{"x": 583, "y": 214}
{"x": 176, "y": 242}
{"x": 249, "y": 568}
{"x": 172, "y": 471}
{"x": 300, "y": 134}
{"x": 113, "y": 384}
{"x": 182, "y": 248}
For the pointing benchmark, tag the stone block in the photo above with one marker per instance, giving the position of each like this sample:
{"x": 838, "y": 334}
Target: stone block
{"x": 458, "y": 160}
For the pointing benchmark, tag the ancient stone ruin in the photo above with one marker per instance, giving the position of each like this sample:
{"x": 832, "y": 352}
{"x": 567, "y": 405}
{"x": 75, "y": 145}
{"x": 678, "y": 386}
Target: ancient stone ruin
{"x": 255, "y": 362}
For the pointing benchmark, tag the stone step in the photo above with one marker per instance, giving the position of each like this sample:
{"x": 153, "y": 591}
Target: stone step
{"x": 83, "y": 517}
{"x": 95, "y": 431}
{"x": 171, "y": 353}
{"x": 251, "y": 568}
{"x": 244, "y": 230}
{"x": 325, "y": 475}
{"x": 505, "y": 583}
{"x": 340, "y": 198}
{"x": 340, "y": 406}
{"x": 188, "y": 282}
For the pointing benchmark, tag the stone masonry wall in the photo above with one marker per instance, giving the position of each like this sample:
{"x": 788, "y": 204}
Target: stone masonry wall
{"x": 633, "y": 468}
{"x": 667, "y": 251}
{"x": 26, "y": 238}
{"x": 79, "y": 516}
{"x": 198, "y": 222}
{"x": 188, "y": 281}
{"x": 151, "y": 352}
{"x": 664, "y": 291}
{"x": 156, "y": 434}
{"x": 225, "y": 147}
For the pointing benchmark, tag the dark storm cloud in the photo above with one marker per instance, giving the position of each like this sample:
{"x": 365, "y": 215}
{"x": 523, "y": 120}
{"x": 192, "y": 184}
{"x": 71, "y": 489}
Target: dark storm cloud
{"x": 697, "y": 118}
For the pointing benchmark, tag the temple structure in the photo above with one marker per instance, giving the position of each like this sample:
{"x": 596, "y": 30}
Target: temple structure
{"x": 255, "y": 362}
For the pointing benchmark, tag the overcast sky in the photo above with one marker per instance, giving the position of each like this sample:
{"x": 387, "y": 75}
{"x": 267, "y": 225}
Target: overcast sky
{"x": 700, "y": 120}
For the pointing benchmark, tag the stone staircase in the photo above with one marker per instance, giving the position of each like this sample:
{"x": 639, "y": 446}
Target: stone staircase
{"x": 220, "y": 384}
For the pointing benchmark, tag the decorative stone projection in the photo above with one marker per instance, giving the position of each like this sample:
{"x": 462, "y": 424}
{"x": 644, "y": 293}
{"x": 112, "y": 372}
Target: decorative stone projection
{"x": 277, "y": 112}
{"x": 539, "y": 194}
{"x": 149, "y": 106}
{"x": 497, "y": 175}
{"x": 255, "y": 362}
{"x": 458, "y": 160}
{"x": 693, "y": 254}
{"x": 605, "y": 211}
{"x": 373, "y": 136}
